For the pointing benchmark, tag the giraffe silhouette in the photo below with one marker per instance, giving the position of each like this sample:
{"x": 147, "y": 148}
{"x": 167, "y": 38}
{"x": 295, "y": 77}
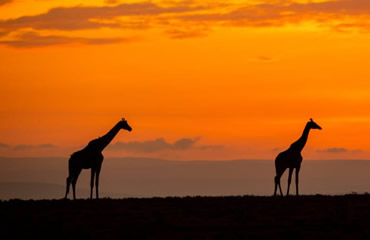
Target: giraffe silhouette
{"x": 91, "y": 157}
{"x": 292, "y": 158}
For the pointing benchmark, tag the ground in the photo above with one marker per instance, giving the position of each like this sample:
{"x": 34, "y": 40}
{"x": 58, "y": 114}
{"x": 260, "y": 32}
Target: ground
{"x": 244, "y": 217}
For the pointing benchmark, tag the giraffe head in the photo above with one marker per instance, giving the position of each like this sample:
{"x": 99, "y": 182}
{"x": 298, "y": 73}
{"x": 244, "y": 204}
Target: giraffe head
{"x": 124, "y": 125}
{"x": 313, "y": 125}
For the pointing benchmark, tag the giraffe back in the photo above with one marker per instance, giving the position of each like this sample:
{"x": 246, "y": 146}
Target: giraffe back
{"x": 85, "y": 159}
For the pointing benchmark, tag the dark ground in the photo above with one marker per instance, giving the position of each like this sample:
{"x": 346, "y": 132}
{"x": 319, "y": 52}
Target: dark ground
{"x": 247, "y": 217}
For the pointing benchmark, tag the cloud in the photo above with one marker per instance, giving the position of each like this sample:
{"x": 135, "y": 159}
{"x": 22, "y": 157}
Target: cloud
{"x": 263, "y": 59}
{"x": 123, "y": 16}
{"x": 276, "y": 149}
{"x": 187, "y": 33}
{"x": 160, "y": 144}
{"x": 21, "y": 147}
{"x": 184, "y": 143}
{"x": 333, "y": 150}
{"x": 83, "y": 17}
{"x": 339, "y": 150}
{"x": 179, "y": 30}
{"x": 346, "y": 27}
{"x": 26, "y": 146}
{"x": 111, "y": 1}
{"x": 279, "y": 13}
{"x": 32, "y": 39}
{"x": 210, "y": 147}
{"x": 3, "y": 145}
{"x": 3, "y": 2}
{"x": 183, "y": 20}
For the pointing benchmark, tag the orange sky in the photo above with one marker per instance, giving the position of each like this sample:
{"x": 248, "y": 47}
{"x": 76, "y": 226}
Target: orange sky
{"x": 237, "y": 79}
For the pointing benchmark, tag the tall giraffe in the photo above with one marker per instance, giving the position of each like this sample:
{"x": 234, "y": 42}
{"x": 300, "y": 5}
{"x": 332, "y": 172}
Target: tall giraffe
{"x": 91, "y": 157}
{"x": 292, "y": 158}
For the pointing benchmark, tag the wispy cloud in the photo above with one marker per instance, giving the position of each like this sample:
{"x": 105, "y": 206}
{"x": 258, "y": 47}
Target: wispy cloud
{"x": 334, "y": 150}
{"x": 187, "y": 19}
{"x": 21, "y": 147}
{"x": 111, "y": 1}
{"x": 278, "y": 13}
{"x": 32, "y": 39}
{"x": 210, "y": 147}
{"x": 83, "y": 17}
{"x": 263, "y": 59}
{"x": 338, "y": 150}
{"x": 26, "y": 146}
{"x": 136, "y": 16}
{"x": 180, "y": 33}
{"x": 3, "y": 2}
{"x": 3, "y": 145}
{"x": 160, "y": 144}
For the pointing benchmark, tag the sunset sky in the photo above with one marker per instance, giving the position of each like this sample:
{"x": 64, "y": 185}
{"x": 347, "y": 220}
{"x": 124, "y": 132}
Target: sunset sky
{"x": 201, "y": 79}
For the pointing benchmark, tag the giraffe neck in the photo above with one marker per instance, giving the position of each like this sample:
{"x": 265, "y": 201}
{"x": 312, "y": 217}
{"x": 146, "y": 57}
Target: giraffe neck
{"x": 104, "y": 141}
{"x": 301, "y": 142}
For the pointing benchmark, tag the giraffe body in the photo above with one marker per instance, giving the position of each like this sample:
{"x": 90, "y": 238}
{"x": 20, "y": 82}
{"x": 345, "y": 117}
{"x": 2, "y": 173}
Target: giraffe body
{"x": 85, "y": 159}
{"x": 288, "y": 159}
{"x": 291, "y": 159}
{"x": 91, "y": 157}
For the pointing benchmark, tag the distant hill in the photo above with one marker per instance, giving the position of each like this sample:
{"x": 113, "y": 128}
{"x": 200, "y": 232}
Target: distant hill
{"x": 38, "y": 191}
{"x": 22, "y": 190}
{"x": 41, "y": 178}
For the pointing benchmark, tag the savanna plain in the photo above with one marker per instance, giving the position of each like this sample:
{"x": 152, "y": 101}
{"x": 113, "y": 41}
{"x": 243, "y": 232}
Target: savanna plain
{"x": 237, "y": 217}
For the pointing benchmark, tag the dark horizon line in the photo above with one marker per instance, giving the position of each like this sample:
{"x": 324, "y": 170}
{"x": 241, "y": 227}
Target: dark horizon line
{"x": 192, "y": 160}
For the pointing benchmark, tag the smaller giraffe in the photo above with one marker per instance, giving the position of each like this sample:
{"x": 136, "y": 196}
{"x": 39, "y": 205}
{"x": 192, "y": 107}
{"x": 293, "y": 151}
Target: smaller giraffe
{"x": 91, "y": 157}
{"x": 292, "y": 158}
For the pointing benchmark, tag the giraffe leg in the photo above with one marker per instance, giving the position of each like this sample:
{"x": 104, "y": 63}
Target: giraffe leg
{"x": 68, "y": 184}
{"x": 97, "y": 182}
{"x": 275, "y": 180}
{"x": 74, "y": 181}
{"x": 279, "y": 173}
{"x": 70, "y": 176}
{"x": 92, "y": 182}
{"x": 281, "y": 192}
{"x": 289, "y": 179}
{"x": 297, "y": 179}
{"x": 277, "y": 184}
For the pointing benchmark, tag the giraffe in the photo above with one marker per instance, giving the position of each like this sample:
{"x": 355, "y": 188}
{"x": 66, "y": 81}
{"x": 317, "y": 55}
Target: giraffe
{"x": 91, "y": 157}
{"x": 292, "y": 158}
